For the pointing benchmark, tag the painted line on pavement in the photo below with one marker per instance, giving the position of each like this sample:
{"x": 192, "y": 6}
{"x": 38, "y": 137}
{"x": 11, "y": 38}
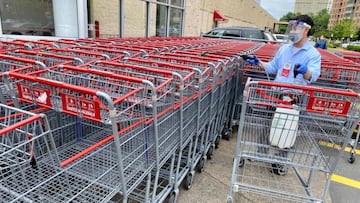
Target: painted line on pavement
{"x": 345, "y": 181}
{"x": 336, "y": 146}
{"x": 341, "y": 179}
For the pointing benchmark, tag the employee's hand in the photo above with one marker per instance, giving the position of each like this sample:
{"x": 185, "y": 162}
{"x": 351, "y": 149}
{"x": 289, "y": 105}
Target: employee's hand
{"x": 301, "y": 68}
{"x": 253, "y": 60}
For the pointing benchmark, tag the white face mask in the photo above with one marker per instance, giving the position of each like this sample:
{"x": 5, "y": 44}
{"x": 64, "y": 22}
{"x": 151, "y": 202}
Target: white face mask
{"x": 294, "y": 36}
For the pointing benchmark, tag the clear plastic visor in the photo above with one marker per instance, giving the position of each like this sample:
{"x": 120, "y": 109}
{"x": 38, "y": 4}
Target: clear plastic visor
{"x": 296, "y": 26}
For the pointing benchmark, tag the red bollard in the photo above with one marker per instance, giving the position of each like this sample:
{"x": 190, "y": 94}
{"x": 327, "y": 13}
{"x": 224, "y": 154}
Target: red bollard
{"x": 97, "y": 29}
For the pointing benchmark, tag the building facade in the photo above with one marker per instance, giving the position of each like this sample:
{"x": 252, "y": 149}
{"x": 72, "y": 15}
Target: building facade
{"x": 312, "y": 6}
{"x": 344, "y": 9}
{"x": 126, "y": 18}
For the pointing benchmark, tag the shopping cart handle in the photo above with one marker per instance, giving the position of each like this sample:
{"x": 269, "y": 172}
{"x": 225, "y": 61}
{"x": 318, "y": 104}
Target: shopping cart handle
{"x": 50, "y": 82}
{"x": 8, "y": 57}
{"x": 306, "y": 88}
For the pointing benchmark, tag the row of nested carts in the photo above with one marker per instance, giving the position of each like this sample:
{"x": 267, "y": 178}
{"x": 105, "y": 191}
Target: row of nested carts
{"x": 131, "y": 119}
{"x": 111, "y": 120}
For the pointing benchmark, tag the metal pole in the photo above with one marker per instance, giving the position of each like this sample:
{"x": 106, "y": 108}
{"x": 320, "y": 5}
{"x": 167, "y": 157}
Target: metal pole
{"x": 121, "y": 18}
{"x": 147, "y": 31}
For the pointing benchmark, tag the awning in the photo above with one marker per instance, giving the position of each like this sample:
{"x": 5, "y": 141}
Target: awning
{"x": 219, "y": 16}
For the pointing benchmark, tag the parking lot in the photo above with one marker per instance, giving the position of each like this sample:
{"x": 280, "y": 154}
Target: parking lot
{"x": 167, "y": 110}
{"x": 213, "y": 184}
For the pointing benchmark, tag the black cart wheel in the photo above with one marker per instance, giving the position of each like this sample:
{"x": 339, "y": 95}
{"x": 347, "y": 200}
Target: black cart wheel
{"x": 201, "y": 164}
{"x": 226, "y": 135}
{"x": 279, "y": 169}
{"x": 241, "y": 162}
{"x": 210, "y": 152}
{"x": 352, "y": 158}
{"x": 173, "y": 197}
{"x": 217, "y": 142}
{"x": 188, "y": 181}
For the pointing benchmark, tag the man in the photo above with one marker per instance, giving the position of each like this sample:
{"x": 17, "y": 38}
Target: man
{"x": 321, "y": 43}
{"x": 299, "y": 55}
{"x": 294, "y": 63}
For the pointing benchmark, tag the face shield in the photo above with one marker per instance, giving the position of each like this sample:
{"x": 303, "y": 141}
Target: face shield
{"x": 295, "y": 30}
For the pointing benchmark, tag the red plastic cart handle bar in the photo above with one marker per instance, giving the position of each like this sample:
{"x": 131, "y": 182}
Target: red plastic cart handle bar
{"x": 19, "y": 124}
{"x": 102, "y": 73}
{"x": 127, "y": 95}
{"x": 7, "y": 57}
{"x": 161, "y": 64}
{"x": 167, "y": 58}
{"x": 270, "y": 98}
{"x": 118, "y": 47}
{"x": 20, "y": 114}
{"x": 97, "y": 49}
{"x": 46, "y": 54}
{"x": 53, "y": 83}
{"x": 196, "y": 57}
{"x": 75, "y": 51}
{"x": 33, "y": 42}
{"x": 341, "y": 68}
{"x": 135, "y": 67}
{"x": 309, "y": 88}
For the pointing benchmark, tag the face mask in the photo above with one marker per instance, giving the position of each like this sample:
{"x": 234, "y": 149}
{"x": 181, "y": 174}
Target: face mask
{"x": 294, "y": 37}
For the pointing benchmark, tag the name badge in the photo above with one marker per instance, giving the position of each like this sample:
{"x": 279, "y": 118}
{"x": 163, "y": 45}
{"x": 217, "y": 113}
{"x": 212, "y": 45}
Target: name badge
{"x": 286, "y": 70}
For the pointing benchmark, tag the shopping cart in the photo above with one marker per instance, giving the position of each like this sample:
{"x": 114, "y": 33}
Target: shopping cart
{"x": 12, "y": 63}
{"x": 341, "y": 76}
{"x": 141, "y": 107}
{"x": 26, "y": 141}
{"x": 321, "y": 115}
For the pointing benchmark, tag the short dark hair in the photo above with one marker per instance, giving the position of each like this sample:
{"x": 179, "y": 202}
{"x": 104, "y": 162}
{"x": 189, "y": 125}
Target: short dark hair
{"x": 306, "y": 19}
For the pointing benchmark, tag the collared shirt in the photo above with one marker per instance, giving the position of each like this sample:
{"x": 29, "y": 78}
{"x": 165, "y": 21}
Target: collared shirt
{"x": 285, "y": 59}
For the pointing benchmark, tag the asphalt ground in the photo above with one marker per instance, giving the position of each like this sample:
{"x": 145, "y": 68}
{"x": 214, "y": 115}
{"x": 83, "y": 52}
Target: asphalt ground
{"x": 212, "y": 185}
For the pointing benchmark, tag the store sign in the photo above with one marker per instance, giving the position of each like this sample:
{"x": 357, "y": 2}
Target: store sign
{"x": 31, "y": 94}
{"x": 79, "y": 106}
{"x": 331, "y": 106}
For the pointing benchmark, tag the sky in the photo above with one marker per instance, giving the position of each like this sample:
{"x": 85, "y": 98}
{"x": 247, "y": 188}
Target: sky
{"x": 278, "y": 8}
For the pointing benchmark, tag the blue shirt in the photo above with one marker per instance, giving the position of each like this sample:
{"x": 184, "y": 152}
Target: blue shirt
{"x": 287, "y": 56}
{"x": 321, "y": 44}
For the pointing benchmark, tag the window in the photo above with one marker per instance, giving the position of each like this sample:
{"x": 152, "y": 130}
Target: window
{"x": 232, "y": 33}
{"x": 21, "y": 17}
{"x": 169, "y": 17}
{"x": 176, "y": 2}
{"x": 41, "y": 17}
{"x": 175, "y": 22}
{"x": 161, "y": 13}
{"x": 216, "y": 32}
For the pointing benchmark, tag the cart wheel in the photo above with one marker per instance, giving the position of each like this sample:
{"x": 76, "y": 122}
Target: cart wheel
{"x": 242, "y": 162}
{"x": 217, "y": 142}
{"x": 279, "y": 169}
{"x": 230, "y": 131}
{"x": 201, "y": 164}
{"x": 188, "y": 181}
{"x": 226, "y": 135}
{"x": 210, "y": 152}
{"x": 352, "y": 158}
{"x": 173, "y": 196}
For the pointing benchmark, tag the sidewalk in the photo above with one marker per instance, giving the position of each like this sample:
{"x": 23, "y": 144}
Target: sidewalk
{"x": 212, "y": 185}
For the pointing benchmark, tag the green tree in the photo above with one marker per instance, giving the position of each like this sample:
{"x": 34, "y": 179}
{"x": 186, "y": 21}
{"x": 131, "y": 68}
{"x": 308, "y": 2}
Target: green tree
{"x": 344, "y": 29}
{"x": 286, "y": 18}
{"x": 321, "y": 20}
